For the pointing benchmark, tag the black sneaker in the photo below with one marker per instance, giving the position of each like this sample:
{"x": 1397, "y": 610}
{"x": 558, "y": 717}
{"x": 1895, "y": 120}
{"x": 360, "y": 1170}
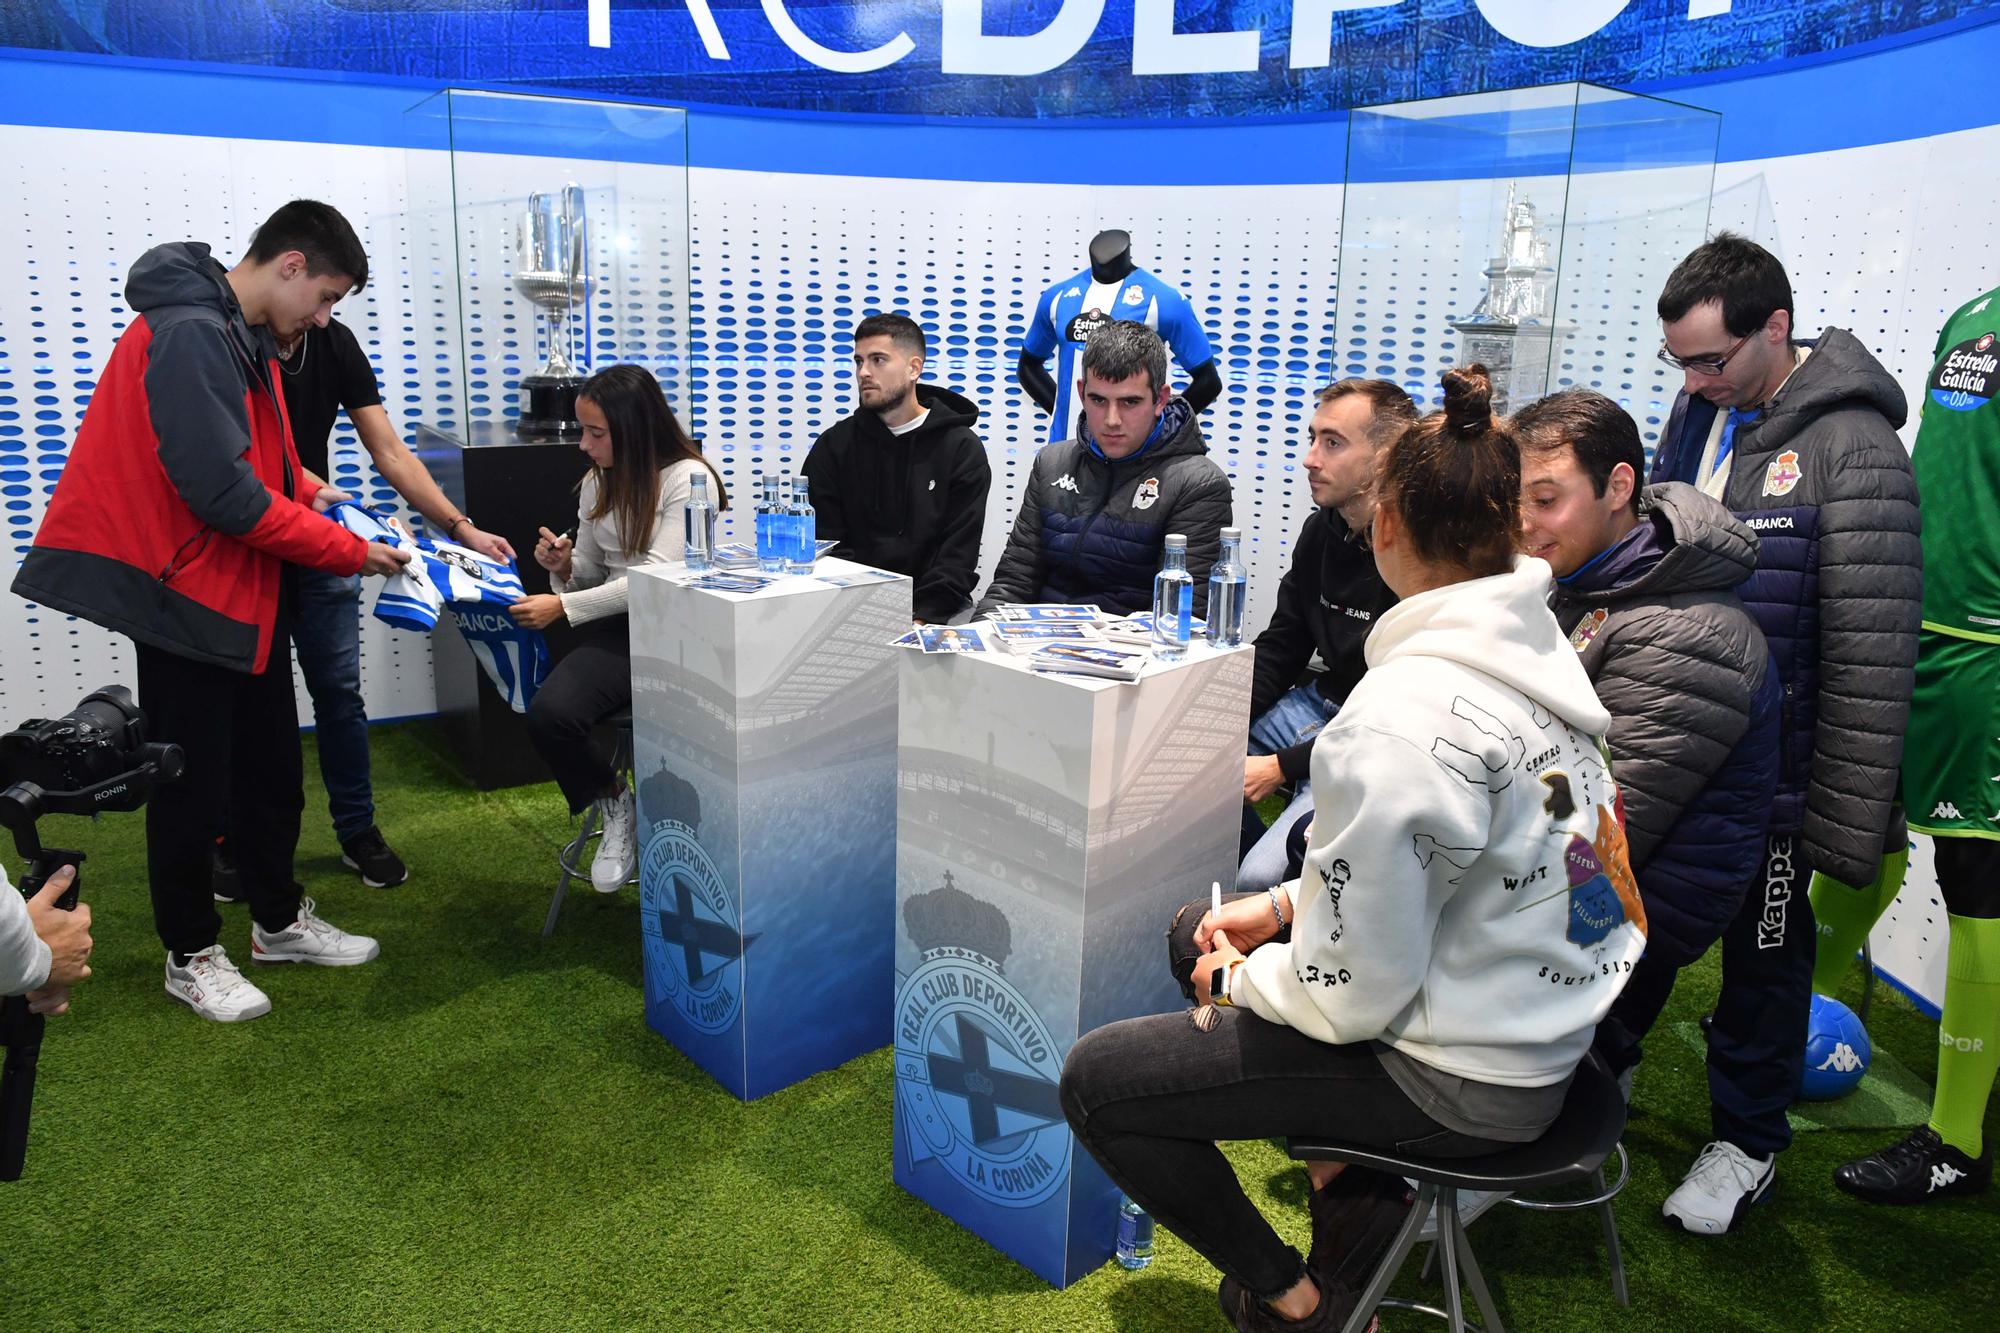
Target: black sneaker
{"x": 223, "y": 880}
{"x": 366, "y": 852}
{"x": 1918, "y": 1169}
{"x": 1250, "y": 1315}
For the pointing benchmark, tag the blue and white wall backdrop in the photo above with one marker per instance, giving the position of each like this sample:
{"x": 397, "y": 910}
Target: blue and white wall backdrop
{"x": 1876, "y": 197}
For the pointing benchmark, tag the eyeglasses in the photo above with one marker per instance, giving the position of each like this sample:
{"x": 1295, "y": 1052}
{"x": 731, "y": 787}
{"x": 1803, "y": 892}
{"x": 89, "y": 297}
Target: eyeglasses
{"x": 1703, "y": 365}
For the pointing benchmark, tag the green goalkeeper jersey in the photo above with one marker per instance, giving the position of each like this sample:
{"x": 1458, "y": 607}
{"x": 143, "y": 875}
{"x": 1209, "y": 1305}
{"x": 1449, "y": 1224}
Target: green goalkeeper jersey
{"x": 1957, "y": 462}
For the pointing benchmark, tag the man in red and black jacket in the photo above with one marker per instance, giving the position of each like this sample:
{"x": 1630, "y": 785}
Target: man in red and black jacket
{"x": 176, "y": 522}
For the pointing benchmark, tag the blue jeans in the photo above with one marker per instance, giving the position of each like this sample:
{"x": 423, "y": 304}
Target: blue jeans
{"x": 326, "y": 626}
{"x": 1300, "y": 712}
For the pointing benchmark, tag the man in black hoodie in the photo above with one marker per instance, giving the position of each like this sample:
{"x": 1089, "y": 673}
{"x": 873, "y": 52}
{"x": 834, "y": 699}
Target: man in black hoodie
{"x": 901, "y": 484}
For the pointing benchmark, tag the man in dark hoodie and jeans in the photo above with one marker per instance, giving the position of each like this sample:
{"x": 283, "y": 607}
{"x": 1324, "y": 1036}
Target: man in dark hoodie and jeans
{"x": 1326, "y": 606}
{"x": 1097, "y": 508}
{"x": 1799, "y": 441}
{"x": 1645, "y": 589}
{"x": 901, "y": 484}
{"x": 176, "y": 522}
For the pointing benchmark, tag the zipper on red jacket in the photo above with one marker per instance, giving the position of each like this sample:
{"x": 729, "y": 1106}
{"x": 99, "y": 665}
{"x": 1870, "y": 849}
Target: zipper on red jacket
{"x": 176, "y": 564}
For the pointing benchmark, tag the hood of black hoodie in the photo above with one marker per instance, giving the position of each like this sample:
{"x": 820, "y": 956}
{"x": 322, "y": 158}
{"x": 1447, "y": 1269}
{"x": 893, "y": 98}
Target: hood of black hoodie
{"x": 882, "y": 460}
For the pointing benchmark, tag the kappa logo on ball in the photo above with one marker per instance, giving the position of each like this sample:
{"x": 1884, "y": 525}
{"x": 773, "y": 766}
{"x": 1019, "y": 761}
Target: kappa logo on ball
{"x": 1783, "y": 476}
{"x": 976, "y": 1068}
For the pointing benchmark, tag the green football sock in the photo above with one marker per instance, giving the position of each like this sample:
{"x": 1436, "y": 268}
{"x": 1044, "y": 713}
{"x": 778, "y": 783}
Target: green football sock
{"x": 1846, "y": 915}
{"x": 1968, "y": 1033}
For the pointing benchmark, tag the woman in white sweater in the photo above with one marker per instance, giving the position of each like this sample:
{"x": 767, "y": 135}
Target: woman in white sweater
{"x": 1465, "y": 916}
{"x": 629, "y": 513}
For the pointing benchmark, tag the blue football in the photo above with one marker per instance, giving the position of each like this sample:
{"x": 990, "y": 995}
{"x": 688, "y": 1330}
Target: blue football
{"x": 1837, "y": 1051}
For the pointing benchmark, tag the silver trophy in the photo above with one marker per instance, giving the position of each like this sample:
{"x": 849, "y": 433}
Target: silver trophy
{"x": 1512, "y": 330}
{"x": 552, "y": 269}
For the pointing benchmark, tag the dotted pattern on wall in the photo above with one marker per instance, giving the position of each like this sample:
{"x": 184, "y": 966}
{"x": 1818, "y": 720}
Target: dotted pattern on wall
{"x": 79, "y": 227}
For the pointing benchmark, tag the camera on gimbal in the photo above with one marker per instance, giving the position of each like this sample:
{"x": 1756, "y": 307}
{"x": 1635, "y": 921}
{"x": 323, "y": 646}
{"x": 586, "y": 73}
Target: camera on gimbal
{"x": 96, "y": 757}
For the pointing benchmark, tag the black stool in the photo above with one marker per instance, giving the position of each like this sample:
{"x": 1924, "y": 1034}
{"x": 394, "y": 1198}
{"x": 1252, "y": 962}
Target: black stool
{"x": 570, "y": 858}
{"x": 1572, "y": 1151}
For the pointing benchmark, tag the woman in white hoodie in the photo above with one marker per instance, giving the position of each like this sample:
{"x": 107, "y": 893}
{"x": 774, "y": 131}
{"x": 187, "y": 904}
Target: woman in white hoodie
{"x": 1465, "y": 916}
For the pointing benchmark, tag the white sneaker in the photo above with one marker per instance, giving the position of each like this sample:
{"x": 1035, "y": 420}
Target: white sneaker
{"x": 310, "y": 940}
{"x": 1723, "y": 1182}
{"x": 617, "y": 856}
{"x": 1471, "y": 1205}
{"x": 212, "y": 987}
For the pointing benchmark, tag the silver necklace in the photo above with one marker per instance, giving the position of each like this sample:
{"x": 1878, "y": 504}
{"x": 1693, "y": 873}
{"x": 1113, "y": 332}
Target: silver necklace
{"x": 284, "y": 361}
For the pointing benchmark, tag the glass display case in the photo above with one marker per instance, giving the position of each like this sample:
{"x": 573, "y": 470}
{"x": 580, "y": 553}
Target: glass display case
{"x": 1530, "y": 230}
{"x": 548, "y": 239}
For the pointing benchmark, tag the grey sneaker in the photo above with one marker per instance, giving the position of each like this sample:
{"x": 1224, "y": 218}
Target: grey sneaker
{"x": 311, "y": 940}
{"x": 210, "y": 985}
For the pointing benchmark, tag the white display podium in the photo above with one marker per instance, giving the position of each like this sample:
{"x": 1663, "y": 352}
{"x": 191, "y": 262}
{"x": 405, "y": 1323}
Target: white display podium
{"x": 1046, "y": 829}
{"x": 764, "y": 730}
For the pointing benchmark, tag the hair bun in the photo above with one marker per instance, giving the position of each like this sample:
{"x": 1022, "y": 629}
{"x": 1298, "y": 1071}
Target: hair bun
{"x": 1468, "y": 400}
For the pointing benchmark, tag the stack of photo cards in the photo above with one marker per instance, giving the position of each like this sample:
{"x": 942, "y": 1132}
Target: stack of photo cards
{"x": 1103, "y": 661}
{"x": 734, "y": 557}
{"x": 950, "y": 639}
{"x": 1021, "y": 636}
{"x": 1048, "y": 613}
{"x": 1139, "y": 629}
{"x": 737, "y": 583}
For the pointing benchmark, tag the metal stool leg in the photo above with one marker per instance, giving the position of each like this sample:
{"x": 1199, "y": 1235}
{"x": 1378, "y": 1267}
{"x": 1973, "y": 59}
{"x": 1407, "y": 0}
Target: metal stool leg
{"x": 1385, "y": 1272}
{"x": 1611, "y": 1247}
{"x": 1454, "y": 1299}
{"x": 1473, "y": 1277}
{"x": 568, "y": 858}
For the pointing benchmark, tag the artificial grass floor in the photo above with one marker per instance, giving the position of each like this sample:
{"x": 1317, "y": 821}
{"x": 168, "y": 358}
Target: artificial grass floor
{"x": 479, "y": 1131}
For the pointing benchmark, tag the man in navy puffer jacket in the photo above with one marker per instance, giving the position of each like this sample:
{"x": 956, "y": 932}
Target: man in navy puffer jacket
{"x": 1645, "y": 588}
{"x": 1096, "y": 509}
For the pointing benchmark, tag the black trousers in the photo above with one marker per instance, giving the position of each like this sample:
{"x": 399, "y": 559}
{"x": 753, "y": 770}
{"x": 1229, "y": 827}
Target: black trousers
{"x": 1757, "y": 1041}
{"x": 240, "y": 736}
{"x": 1150, "y": 1097}
{"x": 592, "y": 682}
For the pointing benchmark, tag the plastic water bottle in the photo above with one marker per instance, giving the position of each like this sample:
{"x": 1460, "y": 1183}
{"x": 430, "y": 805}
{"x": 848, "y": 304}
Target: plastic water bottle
{"x": 805, "y": 532}
{"x": 1173, "y": 602}
{"x": 770, "y": 519}
{"x": 1226, "y": 585}
{"x": 700, "y": 515}
{"x": 1135, "y": 1235}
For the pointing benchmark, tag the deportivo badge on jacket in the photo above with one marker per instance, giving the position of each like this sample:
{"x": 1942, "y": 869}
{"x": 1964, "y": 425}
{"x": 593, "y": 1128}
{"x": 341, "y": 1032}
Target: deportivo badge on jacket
{"x": 1148, "y": 492}
{"x": 1783, "y": 474}
{"x": 1586, "y": 629}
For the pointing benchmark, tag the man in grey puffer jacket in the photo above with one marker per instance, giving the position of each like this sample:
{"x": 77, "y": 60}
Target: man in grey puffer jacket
{"x": 1096, "y": 509}
{"x": 1799, "y": 441}
{"x": 1645, "y": 588}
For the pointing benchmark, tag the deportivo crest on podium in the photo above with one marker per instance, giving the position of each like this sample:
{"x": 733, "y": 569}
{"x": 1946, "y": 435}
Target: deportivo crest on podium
{"x": 690, "y": 930}
{"x": 976, "y": 1066}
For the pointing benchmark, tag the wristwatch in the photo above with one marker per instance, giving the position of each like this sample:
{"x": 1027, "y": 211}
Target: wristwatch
{"x": 1218, "y": 982}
